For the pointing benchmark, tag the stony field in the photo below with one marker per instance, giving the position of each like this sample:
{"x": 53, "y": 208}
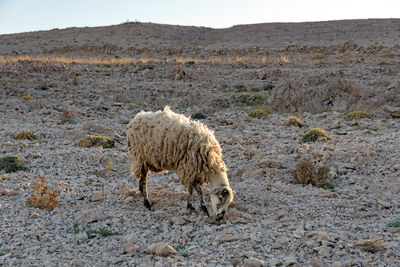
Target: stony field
{"x": 243, "y": 83}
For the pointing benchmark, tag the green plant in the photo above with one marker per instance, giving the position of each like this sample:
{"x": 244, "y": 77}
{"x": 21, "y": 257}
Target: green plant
{"x": 94, "y": 140}
{"x": 255, "y": 89}
{"x": 239, "y": 88}
{"x": 313, "y": 134}
{"x": 3, "y": 252}
{"x": 67, "y": 121}
{"x": 102, "y": 232}
{"x": 357, "y": 115}
{"x": 26, "y": 135}
{"x": 305, "y": 173}
{"x": 394, "y": 224}
{"x": 268, "y": 87}
{"x": 198, "y": 116}
{"x": 42, "y": 197}
{"x": 293, "y": 121}
{"x": 12, "y": 164}
{"x": 259, "y": 113}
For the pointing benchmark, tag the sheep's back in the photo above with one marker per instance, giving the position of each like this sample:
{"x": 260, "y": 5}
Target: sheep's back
{"x": 163, "y": 140}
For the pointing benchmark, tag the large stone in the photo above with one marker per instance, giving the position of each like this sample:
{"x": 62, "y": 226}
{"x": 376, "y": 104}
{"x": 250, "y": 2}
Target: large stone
{"x": 161, "y": 249}
{"x": 131, "y": 249}
{"x": 253, "y": 262}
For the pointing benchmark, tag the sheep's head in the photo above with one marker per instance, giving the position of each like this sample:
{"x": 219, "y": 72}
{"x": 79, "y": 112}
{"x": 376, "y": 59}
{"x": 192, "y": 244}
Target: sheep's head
{"x": 221, "y": 197}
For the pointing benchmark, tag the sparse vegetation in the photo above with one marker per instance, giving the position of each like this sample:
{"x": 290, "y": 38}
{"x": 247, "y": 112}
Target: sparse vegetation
{"x": 29, "y": 135}
{"x": 3, "y": 252}
{"x": 239, "y": 88}
{"x": 313, "y": 134}
{"x": 198, "y": 116}
{"x": 318, "y": 57}
{"x": 293, "y": 121}
{"x": 357, "y": 115}
{"x": 394, "y": 224}
{"x": 94, "y": 140}
{"x": 28, "y": 98}
{"x": 305, "y": 173}
{"x": 12, "y": 164}
{"x": 259, "y": 113}
{"x": 91, "y": 233}
{"x": 268, "y": 87}
{"x": 371, "y": 246}
{"x": 66, "y": 118}
{"x": 42, "y": 197}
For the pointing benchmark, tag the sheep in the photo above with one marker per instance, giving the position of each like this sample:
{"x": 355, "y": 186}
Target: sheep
{"x": 163, "y": 141}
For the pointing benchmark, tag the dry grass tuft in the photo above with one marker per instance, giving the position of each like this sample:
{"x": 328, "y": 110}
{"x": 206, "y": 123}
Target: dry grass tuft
{"x": 357, "y": 115}
{"x": 313, "y": 134}
{"x": 94, "y": 140}
{"x": 28, "y": 98}
{"x": 29, "y": 135}
{"x": 318, "y": 56}
{"x": 259, "y": 113}
{"x": 42, "y": 197}
{"x": 293, "y": 121}
{"x": 371, "y": 246}
{"x": 305, "y": 173}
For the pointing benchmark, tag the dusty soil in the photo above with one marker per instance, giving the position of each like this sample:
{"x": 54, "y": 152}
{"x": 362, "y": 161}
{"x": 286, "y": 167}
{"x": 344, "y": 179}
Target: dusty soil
{"x": 104, "y": 76}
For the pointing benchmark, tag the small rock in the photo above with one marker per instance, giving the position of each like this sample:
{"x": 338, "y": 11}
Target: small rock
{"x": 314, "y": 262}
{"x": 178, "y": 220}
{"x": 226, "y": 236}
{"x": 322, "y": 236}
{"x": 324, "y": 251}
{"x": 131, "y": 238}
{"x": 330, "y": 194}
{"x": 290, "y": 260}
{"x": 161, "y": 249}
{"x": 97, "y": 196}
{"x": 131, "y": 249}
{"x": 275, "y": 262}
{"x": 280, "y": 214}
{"x": 34, "y": 215}
{"x": 253, "y": 262}
{"x": 90, "y": 216}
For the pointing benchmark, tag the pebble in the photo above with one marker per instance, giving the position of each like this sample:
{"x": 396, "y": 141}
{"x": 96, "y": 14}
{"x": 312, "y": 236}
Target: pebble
{"x": 253, "y": 262}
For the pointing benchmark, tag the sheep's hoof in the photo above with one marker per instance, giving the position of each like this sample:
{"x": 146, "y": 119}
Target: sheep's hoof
{"x": 147, "y": 204}
{"x": 205, "y": 211}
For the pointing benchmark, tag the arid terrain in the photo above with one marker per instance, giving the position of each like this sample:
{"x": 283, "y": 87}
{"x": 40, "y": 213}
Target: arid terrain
{"x": 64, "y": 85}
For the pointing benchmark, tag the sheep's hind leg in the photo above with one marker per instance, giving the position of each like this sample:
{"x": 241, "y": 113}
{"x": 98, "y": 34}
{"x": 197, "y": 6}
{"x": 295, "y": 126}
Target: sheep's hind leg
{"x": 143, "y": 188}
{"x": 190, "y": 199}
{"x": 202, "y": 203}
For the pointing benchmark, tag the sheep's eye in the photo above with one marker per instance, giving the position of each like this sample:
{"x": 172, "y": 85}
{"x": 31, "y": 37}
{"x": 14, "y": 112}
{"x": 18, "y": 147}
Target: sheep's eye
{"x": 224, "y": 193}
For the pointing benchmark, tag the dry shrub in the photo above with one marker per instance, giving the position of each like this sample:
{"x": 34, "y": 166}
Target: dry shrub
{"x": 42, "y": 197}
{"x": 94, "y": 140}
{"x": 28, "y": 98}
{"x": 371, "y": 246}
{"x": 259, "y": 113}
{"x": 357, "y": 115}
{"x": 67, "y": 114}
{"x": 26, "y": 135}
{"x": 318, "y": 56}
{"x": 293, "y": 121}
{"x": 305, "y": 173}
{"x": 313, "y": 134}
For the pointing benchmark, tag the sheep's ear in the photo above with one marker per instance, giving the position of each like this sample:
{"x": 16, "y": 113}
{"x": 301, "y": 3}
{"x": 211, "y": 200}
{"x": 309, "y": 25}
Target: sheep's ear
{"x": 214, "y": 191}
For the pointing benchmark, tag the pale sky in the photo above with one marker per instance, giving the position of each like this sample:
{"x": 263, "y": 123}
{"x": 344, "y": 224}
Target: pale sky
{"x": 33, "y": 15}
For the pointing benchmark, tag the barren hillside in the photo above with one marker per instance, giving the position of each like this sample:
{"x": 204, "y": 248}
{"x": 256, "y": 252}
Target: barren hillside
{"x": 243, "y": 83}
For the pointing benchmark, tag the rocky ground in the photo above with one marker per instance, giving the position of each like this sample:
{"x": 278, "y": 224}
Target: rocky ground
{"x": 48, "y": 77}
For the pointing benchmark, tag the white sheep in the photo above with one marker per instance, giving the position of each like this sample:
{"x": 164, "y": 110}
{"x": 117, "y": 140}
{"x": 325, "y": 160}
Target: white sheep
{"x": 163, "y": 140}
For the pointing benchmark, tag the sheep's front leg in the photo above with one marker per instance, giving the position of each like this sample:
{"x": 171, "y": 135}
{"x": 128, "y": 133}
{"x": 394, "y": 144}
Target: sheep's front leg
{"x": 202, "y": 203}
{"x": 190, "y": 199}
{"x": 143, "y": 188}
